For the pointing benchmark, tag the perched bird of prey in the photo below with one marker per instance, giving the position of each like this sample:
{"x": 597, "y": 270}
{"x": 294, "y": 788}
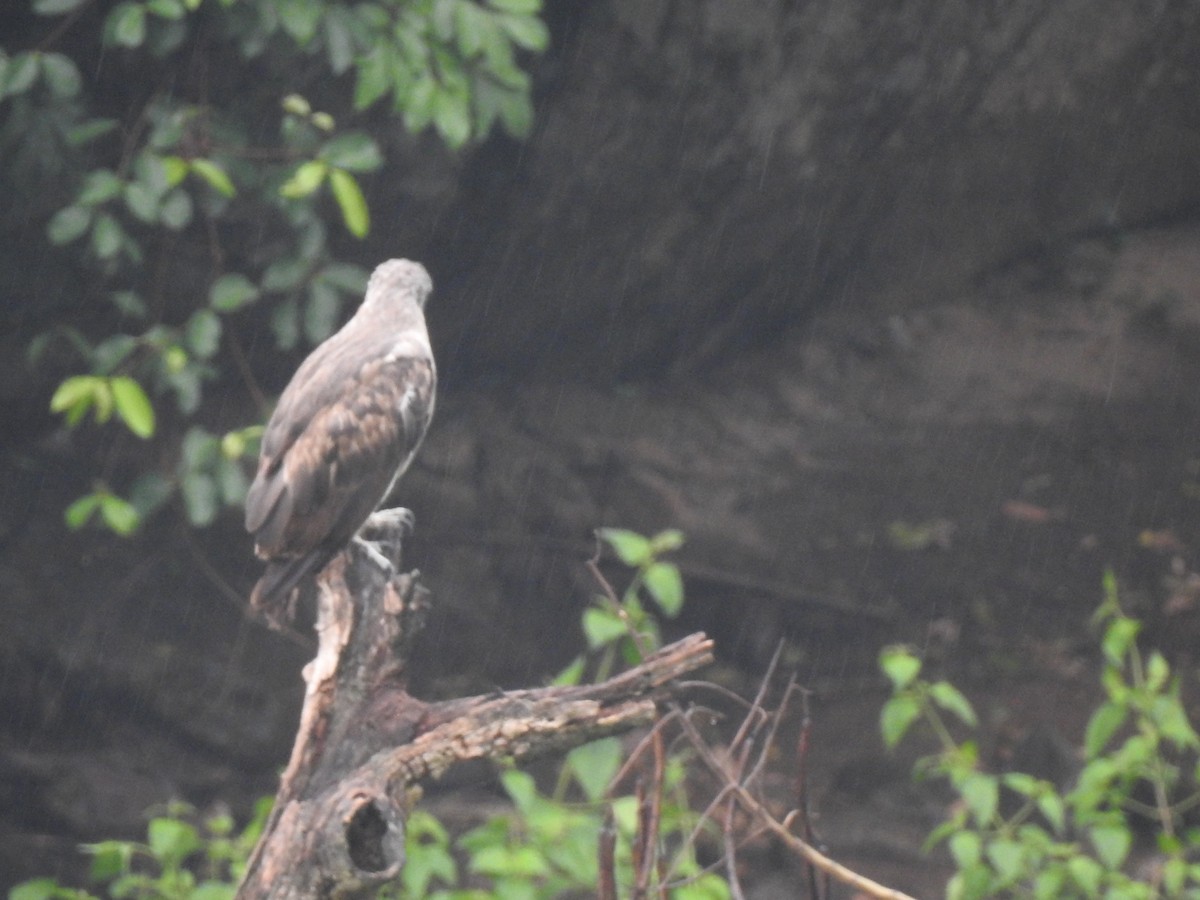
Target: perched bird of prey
{"x": 346, "y": 427}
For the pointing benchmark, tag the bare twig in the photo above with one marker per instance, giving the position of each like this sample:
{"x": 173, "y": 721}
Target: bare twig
{"x": 752, "y": 806}
{"x": 606, "y": 888}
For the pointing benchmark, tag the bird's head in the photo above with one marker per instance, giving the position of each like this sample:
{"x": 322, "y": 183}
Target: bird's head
{"x": 399, "y": 278}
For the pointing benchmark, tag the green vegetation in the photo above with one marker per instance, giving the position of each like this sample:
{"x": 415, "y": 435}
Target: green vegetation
{"x": 546, "y": 845}
{"x": 170, "y": 154}
{"x": 184, "y": 857}
{"x": 1139, "y": 770}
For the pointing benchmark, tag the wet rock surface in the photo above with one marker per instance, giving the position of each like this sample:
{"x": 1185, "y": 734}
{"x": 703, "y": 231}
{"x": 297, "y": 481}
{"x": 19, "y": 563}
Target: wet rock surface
{"x": 896, "y": 313}
{"x": 956, "y": 477}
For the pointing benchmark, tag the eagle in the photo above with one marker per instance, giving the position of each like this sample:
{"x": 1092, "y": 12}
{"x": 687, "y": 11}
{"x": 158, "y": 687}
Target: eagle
{"x": 345, "y": 429}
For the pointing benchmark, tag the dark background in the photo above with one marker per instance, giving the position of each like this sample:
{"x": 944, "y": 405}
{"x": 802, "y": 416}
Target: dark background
{"x": 892, "y": 309}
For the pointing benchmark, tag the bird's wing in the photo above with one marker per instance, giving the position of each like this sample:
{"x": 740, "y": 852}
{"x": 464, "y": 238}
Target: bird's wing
{"x": 330, "y": 453}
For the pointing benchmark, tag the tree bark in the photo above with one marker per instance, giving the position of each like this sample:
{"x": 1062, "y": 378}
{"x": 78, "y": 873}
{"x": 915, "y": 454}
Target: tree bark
{"x": 364, "y": 745}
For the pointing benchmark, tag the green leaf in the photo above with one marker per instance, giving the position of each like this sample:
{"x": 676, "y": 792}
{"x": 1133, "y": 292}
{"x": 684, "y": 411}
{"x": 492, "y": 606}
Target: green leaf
{"x": 981, "y": 793}
{"x": 68, "y": 224}
{"x": 348, "y": 279}
{"x": 1112, "y": 843}
{"x": 86, "y": 132}
{"x": 521, "y": 788}
{"x": 1048, "y": 885}
{"x": 149, "y": 492}
{"x": 19, "y": 74}
{"x": 202, "y": 333}
{"x": 351, "y": 201}
{"x": 1024, "y": 784}
{"x": 1118, "y": 638}
{"x": 75, "y": 396}
{"x": 119, "y": 515}
{"x": 306, "y": 179}
{"x": 142, "y": 201}
{"x": 452, "y": 118}
{"x": 133, "y": 406}
{"x": 418, "y": 107}
{"x": 175, "y": 169}
{"x": 1103, "y": 724}
{"x": 339, "y": 39}
{"x": 896, "y": 717}
{"x": 231, "y": 481}
{"x": 99, "y": 186}
{"x": 528, "y": 32}
{"x": 297, "y": 105}
{"x": 55, "y": 7}
{"x": 951, "y": 699}
{"x": 602, "y": 627}
{"x": 61, "y": 75}
{"x": 666, "y": 541}
{"x": 1007, "y": 858}
{"x": 126, "y": 25}
{"x": 285, "y": 274}
{"x": 594, "y": 764}
{"x": 199, "y": 498}
{"x": 213, "y": 890}
{"x": 354, "y": 151}
{"x": 374, "y": 76}
{"x": 171, "y": 10}
{"x": 665, "y": 585}
{"x": 966, "y": 847}
{"x": 171, "y": 840}
{"x": 78, "y": 513}
{"x": 216, "y": 177}
{"x": 111, "y": 352}
{"x": 36, "y": 889}
{"x": 1174, "y": 875}
{"x": 521, "y": 7}
{"x": 572, "y": 674}
{"x": 1051, "y": 806}
{"x": 321, "y": 312}
{"x": 299, "y": 18}
{"x": 233, "y": 444}
{"x": 631, "y": 548}
{"x": 899, "y": 665}
{"x": 516, "y": 112}
{"x": 231, "y": 292}
{"x": 285, "y": 323}
{"x": 1157, "y": 671}
{"x": 472, "y": 28}
{"x": 176, "y": 210}
{"x": 200, "y": 448}
{"x": 107, "y": 236}
{"x": 518, "y": 862}
{"x": 706, "y": 887}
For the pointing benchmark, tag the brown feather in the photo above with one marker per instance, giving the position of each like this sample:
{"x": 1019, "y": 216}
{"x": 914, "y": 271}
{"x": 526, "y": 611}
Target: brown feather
{"x": 345, "y": 428}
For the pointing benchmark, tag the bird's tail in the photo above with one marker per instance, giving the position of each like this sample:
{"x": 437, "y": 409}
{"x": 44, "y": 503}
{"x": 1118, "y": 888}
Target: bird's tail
{"x": 272, "y": 596}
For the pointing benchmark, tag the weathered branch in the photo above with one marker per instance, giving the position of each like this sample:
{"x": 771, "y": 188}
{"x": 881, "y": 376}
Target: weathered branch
{"x": 364, "y": 743}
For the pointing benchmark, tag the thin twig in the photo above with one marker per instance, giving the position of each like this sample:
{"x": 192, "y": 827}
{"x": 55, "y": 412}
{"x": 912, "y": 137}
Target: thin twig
{"x": 731, "y": 872}
{"x": 606, "y": 888}
{"x": 801, "y": 848}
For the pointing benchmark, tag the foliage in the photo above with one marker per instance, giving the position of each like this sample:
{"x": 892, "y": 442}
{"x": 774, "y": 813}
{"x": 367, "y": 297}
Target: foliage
{"x": 1140, "y": 762}
{"x": 197, "y": 180}
{"x": 185, "y": 857}
{"x": 545, "y": 846}
{"x": 622, "y": 627}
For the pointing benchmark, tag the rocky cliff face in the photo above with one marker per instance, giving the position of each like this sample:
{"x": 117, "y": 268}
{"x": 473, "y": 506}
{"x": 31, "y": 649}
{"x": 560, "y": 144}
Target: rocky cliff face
{"x": 705, "y": 172}
{"x": 860, "y": 298}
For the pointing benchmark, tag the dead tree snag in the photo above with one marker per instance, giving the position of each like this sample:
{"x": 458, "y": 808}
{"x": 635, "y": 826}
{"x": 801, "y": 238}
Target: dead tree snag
{"x": 364, "y": 744}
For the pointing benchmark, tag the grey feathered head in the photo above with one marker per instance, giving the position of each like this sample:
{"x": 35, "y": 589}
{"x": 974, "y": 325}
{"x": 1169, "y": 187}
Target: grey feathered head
{"x": 399, "y": 277}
